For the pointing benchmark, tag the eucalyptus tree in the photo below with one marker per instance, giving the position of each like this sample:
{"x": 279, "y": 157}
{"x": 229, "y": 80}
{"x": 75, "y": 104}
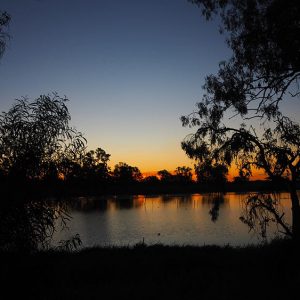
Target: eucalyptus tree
{"x": 276, "y": 151}
{"x": 264, "y": 36}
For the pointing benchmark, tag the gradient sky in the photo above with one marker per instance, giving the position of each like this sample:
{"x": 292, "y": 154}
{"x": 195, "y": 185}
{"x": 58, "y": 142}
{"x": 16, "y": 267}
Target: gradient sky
{"x": 130, "y": 69}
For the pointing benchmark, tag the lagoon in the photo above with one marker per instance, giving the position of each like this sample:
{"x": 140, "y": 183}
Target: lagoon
{"x": 185, "y": 219}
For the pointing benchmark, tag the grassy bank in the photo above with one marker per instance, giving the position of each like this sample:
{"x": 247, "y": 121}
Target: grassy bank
{"x": 152, "y": 272}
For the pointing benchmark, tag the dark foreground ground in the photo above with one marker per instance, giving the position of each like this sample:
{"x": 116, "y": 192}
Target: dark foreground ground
{"x": 266, "y": 272}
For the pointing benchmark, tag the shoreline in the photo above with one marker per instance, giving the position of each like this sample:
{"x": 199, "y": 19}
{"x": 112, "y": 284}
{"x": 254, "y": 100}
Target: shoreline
{"x": 153, "y": 272}
{"x": 61, "y": 189}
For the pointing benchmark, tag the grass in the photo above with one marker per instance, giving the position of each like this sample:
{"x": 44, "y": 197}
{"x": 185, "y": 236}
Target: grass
{"x": 152, "y": 272}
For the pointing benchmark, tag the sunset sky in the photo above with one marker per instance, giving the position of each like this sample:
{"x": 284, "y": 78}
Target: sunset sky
{"x": 130, "y": 69}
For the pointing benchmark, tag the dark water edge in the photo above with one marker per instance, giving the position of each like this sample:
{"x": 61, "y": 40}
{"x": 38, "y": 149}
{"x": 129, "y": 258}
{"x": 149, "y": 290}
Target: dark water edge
{"x": 141, "y": 188}
{"x": 61, "y": 189}
{"x": 154, "y": 272}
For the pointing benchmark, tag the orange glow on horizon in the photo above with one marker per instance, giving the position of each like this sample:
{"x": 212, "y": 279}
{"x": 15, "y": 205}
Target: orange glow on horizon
{"x": 233, "y": 172}
{"x": 256, "y": 174}
{"x": 149, "y": 163}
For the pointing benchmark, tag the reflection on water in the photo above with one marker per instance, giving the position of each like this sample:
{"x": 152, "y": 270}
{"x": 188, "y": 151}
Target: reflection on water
{"x": 195, "y": 219}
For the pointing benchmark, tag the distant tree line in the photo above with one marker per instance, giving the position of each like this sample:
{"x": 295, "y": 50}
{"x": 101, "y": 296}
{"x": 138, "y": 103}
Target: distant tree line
{"x": 39, "y": 147}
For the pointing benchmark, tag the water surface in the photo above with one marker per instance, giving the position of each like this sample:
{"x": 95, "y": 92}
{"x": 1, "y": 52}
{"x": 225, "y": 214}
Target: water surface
{"x": 189, "y": 219}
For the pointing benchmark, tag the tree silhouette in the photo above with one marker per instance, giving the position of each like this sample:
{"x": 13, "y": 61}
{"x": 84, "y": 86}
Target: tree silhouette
{"x": 4, "y": 22}
{"x": 183, "y": 174}
{"x": 261, "y": 209}
{"x": 263, "y": 70}
{"x": 35, "y": 141}
{"x": 35, "y": 138}
{"x": 211, "y": 173}
{"x": 94, "y": 166}
{"x": 276, "y": 151}
{"x": 151, "y": 180}
{"x": 165, "y": 176}
{"x": 264, "y": 36}
{"x": 242, "y": 177}
{"x": 124, "y": 173}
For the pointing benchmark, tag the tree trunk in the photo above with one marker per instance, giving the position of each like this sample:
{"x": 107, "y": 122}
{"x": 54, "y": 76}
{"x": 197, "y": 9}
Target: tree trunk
{"x": 295, "y": 212}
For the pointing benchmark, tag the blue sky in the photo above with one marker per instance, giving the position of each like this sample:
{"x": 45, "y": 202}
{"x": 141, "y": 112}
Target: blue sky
{"x": 130, "y": 69}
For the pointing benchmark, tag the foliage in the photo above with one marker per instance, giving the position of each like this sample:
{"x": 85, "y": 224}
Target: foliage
{"x": 164, "y": 176}
{"x": 183, "y": 174}
{"x": 260, "y": 210}
{"x": 124, "y": 173}
{"x": 264, "y": 36}
{"x": 35, "y": 138}
{"x": 35, "y": 141}
{"x": 242, "y": 177}
{"x": 276, "y": 151}
{"x": 151, "y": 180}
{"x": 94, "y": 165}
{"x": 209, "y": 173}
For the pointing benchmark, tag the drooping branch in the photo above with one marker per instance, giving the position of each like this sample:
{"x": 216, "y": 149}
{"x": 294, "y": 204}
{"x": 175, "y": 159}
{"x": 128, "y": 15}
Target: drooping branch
{"x": 259, "y": 210}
